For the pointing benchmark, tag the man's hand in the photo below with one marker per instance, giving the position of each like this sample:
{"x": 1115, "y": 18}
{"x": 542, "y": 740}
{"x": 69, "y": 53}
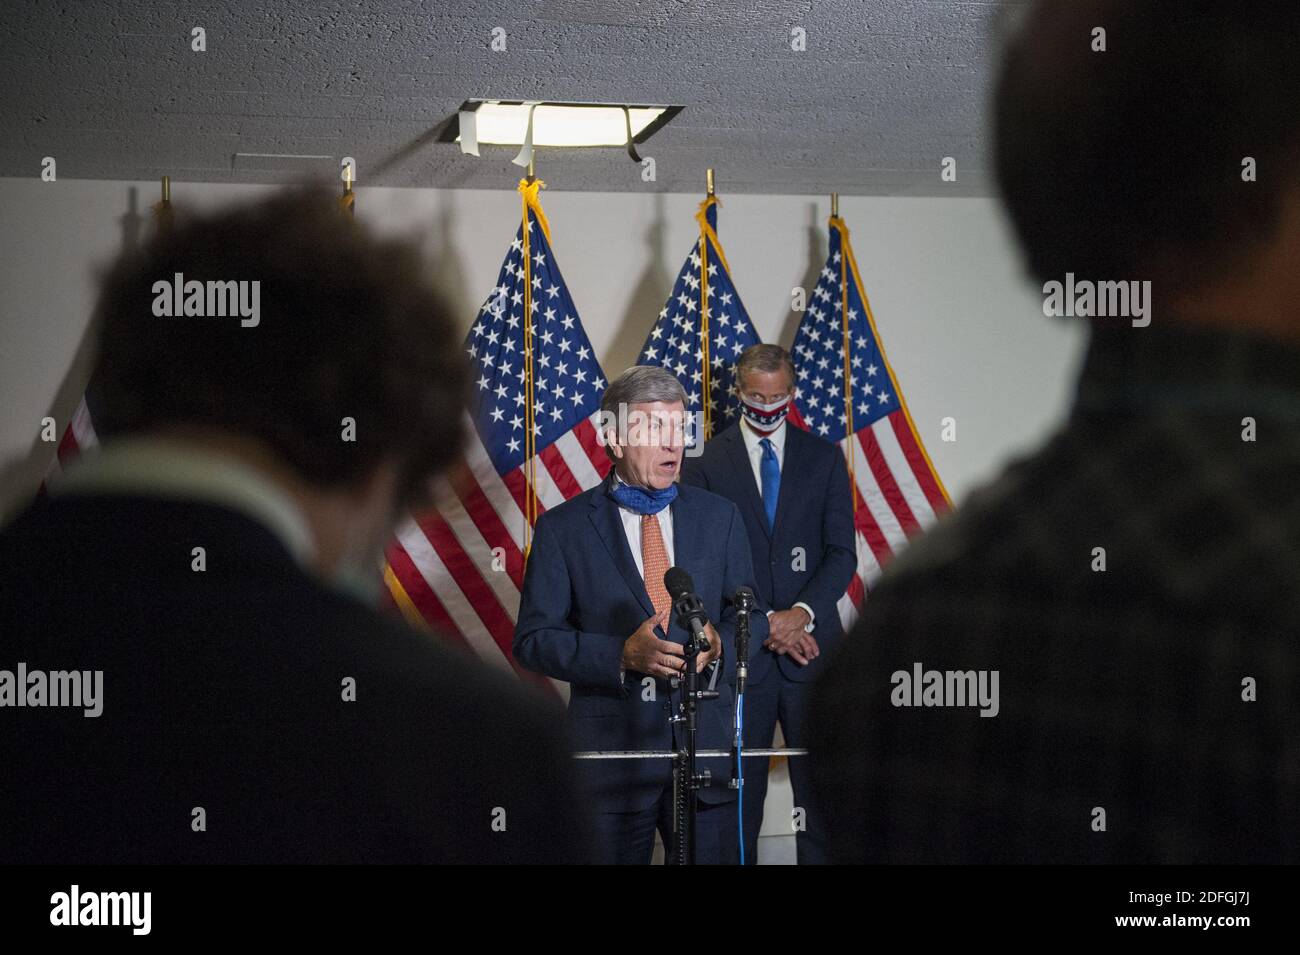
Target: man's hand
{"x": 646, "y": 653}
{"x": 787, "y": 637}
{"x": 714, "y": 651}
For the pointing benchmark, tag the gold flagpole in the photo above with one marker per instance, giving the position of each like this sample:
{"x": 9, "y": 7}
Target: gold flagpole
{"x": 527, "y": 187}
{"x": 706, "y": 414}
{"x": 163, "y": 209}
{"x": 348, "y": 201}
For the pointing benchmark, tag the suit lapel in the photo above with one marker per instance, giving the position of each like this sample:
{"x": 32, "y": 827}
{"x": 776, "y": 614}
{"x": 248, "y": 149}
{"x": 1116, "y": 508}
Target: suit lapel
{"x": 743, "y": 472}
{"x": 686, "y": 528}
{"x": 609, "y": 525}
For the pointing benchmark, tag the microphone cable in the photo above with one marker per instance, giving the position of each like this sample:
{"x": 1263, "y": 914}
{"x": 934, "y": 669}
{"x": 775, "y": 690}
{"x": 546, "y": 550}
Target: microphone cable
{"x": 740, "y": 772}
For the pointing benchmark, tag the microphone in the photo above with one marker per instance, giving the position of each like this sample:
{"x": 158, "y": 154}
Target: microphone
{"x": 744, "y": 603}
{"x": 686, "y": 603}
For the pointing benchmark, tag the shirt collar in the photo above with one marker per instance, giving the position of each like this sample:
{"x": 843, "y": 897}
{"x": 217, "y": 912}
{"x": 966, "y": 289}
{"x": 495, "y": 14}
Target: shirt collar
{"x": 752, "y": 437}
{"x": 156, "y": 467}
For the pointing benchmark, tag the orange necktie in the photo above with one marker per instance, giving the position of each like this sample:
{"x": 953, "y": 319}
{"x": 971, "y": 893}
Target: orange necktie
{"x": 654, "y": 560}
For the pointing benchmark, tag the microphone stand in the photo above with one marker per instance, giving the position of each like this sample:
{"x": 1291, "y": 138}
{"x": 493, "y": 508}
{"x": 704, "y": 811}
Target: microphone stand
{"x": 686, "y": 781}
{"x": 744, "y": 603}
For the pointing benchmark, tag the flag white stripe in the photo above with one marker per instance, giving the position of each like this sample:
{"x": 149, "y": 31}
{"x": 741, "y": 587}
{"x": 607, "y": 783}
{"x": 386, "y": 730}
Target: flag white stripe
{"x": 498, "y": 495}
{"x": 886, "y": 520}
{"x": 560, "y": 687}
{"x": 547, "y": 492}
{"x": 575, "y": 456}
{"x": 869, "y": 568}
{"x": 424, "y": 556}
{"x": 83, "y": 428}
{"x": 848, "y": 612}
{"x": 904, "y": 476}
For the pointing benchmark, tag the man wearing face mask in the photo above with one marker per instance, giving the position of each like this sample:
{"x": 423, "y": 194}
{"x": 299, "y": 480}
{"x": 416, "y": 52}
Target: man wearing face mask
{"x": 203, "y": 559}
{"x": 793, "y": 492}
{"x": 595, "y": 612}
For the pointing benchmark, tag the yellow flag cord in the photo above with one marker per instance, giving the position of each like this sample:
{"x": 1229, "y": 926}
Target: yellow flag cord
{"x": 707, "y": 235}
{"x": 528, "y": 190}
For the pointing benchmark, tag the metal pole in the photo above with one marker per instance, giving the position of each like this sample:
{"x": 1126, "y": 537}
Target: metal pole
{"x": 673, "y": 754}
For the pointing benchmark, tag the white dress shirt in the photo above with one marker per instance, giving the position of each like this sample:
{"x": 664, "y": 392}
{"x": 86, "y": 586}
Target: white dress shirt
{"x": 755, "y": 451}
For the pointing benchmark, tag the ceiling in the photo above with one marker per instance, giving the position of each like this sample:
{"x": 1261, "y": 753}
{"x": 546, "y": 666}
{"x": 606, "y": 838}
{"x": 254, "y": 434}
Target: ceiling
{"x": 884, "y": 91}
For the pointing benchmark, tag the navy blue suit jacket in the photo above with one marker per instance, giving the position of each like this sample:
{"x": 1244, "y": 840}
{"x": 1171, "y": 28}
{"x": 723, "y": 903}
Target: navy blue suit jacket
{"x": 814, "y": 511}
{"x": 583, "y": 598}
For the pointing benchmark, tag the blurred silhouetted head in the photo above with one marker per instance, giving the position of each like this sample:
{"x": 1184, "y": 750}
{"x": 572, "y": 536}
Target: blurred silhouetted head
{"x": 1127, "y": 162}
{"x": 348, "y": 329}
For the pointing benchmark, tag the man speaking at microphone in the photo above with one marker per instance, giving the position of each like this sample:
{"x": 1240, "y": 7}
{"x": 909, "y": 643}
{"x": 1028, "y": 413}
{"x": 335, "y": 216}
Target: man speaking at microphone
{"x": 595, "y": 611}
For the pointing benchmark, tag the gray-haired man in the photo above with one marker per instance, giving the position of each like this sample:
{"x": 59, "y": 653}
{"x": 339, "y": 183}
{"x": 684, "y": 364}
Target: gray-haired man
{"x": 595, "y": 612}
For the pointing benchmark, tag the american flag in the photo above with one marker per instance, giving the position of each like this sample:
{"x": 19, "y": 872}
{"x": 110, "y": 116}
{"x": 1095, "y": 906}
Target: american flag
{"x": 896, "y": 489}
{"x": 459, "y": 568}
{"x": 703, "y": 297}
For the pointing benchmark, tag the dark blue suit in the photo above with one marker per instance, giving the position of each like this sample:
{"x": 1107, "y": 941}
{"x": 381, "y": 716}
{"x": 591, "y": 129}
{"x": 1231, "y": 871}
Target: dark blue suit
{"x": 814, "y": 513}
{"x": 582, "y": 598}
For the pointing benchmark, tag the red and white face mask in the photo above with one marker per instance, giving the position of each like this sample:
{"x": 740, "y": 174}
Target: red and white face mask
{"x": 765, "y": 417}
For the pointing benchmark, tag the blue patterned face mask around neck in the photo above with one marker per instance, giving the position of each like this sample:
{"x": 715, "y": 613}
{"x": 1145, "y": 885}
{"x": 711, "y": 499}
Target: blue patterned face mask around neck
{"x": 642, "y": 500}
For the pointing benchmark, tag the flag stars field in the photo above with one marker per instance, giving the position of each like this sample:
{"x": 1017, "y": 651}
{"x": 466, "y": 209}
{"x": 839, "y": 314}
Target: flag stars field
{"x": 676, "y": 340}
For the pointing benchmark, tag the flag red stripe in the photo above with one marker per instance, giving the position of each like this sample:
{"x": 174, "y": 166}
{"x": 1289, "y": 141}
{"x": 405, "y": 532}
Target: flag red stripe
{"x": 916, "y": 460}
{"x": 886, "y": 482}
{"x": 517, "y": 486}
{"x": 68, "y": 447}
{"x": 467, "y": 576}
{"x": 585, "y": 432}
{"x": 857, "y": 591}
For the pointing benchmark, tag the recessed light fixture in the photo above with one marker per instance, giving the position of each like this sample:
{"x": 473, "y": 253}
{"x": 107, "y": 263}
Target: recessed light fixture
{"x": 560, "y": 125}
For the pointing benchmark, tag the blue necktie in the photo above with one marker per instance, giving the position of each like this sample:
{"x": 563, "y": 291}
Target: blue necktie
{"x": 770, "y": 471}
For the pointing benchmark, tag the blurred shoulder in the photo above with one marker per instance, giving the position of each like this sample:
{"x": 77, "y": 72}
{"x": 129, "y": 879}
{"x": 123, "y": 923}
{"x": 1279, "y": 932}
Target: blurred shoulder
{"x": 422, "y": 668}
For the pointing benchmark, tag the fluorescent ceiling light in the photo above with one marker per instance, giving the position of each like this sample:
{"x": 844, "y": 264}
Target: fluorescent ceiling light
{"x": 559, "y": 124}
